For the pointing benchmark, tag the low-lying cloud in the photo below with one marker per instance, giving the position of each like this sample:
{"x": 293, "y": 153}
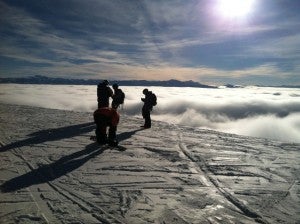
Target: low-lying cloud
{"x": 261, "y": 112}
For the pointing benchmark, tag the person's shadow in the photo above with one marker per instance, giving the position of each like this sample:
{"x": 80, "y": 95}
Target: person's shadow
{"x": 51, "y": 135}
{"x": 54, "y": 170}
{"x": 61, "y": 167}
{"x": 126, "y": 135}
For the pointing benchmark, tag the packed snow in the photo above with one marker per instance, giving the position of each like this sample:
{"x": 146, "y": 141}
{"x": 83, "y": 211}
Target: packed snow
{"x": 51, "y": 172}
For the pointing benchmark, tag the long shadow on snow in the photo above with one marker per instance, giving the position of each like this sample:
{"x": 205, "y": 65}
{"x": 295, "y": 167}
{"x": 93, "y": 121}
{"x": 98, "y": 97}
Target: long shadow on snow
{"x": 54, "y": 170}
{"x": 126, "y": 135}
{"x": 51, "y": 135}
{"x": 60, "y": 167}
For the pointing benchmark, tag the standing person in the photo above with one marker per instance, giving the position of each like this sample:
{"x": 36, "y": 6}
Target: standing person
{"x": 149, "y": 102}
{"x": 106, "y": 117}
{"x": 103, "y": 94}
{"x": 118, "y": 97}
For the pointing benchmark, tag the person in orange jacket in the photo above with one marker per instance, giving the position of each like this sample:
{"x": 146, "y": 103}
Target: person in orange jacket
{"x": 106, "y": 117}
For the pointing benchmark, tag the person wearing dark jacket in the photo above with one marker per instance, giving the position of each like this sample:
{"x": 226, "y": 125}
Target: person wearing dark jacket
{"x": 106, "y": 117}
{"x": 103, "y": 94}
{"x": 149, "y": 102}
{"x": 118, "y": 97}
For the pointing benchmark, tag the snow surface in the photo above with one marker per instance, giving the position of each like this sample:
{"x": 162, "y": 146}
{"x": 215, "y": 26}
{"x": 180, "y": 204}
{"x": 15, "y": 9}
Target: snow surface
{"x": 51, "y": 172}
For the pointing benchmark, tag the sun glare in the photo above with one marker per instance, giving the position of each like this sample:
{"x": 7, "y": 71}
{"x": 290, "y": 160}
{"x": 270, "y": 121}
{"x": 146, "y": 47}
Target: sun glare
{"x": 235, "y": 8}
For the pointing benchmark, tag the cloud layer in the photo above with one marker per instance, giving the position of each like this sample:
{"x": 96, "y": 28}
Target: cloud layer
{"x": 262, "y": 112}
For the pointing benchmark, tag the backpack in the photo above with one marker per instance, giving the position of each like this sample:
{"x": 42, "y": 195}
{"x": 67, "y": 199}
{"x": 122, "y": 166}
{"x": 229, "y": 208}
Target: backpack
{"x": 120, "y": 96}
{"x": 153, "y": 99}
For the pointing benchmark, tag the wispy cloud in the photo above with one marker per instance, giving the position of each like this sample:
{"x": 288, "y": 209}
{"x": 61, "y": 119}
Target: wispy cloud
{"x": 143, "y": 40}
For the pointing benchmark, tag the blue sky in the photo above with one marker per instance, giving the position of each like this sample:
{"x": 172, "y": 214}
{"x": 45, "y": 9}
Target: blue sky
{"x": 196, "y": 40}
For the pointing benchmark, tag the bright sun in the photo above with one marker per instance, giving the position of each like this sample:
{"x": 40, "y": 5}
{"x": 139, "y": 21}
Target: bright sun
{"x": 235, "y": 8}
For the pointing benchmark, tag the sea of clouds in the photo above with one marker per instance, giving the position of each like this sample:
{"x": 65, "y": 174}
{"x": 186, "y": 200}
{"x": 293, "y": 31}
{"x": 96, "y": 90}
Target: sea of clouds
{"x": 254, "y": 111}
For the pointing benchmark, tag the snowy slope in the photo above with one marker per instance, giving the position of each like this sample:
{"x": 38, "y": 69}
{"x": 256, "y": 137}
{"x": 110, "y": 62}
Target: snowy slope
{"x": 52, "y": 173}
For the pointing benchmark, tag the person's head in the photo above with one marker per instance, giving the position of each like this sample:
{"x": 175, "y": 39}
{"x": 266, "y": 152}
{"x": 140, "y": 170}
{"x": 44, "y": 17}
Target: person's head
{"x": 115, "y": 86}
{"x": 145, "y": 91}
{"x": 105, "y": 82}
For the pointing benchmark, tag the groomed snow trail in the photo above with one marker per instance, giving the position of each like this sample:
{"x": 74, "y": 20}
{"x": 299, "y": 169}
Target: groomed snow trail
{"x": 52, "y": 173}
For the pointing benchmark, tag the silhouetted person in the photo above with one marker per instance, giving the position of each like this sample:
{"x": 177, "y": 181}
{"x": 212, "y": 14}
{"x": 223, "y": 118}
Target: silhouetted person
{"x": 106, "y": 117}
{"x": 103, "y": 94}
{"x": 118, "y": 97}
{"x": 149, "y": 102}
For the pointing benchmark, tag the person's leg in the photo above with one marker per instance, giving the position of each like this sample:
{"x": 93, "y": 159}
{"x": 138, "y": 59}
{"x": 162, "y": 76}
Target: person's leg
{"x": 147, "y": 119}
{"x": 101, "y": 134}
{"x": 144, "y": 114}
{"x": 101, "y": 123}
{"x": 112, "y": 136}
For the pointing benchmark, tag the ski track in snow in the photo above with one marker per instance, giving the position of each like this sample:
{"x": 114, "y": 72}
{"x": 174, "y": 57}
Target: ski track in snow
{"x": 52, "y": 173}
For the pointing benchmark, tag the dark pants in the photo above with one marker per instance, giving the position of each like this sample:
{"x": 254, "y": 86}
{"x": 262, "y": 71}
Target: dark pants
{"x": 146, "y": 116}
{"x": 101, "y": 126}
{"x": 102, "y": 122}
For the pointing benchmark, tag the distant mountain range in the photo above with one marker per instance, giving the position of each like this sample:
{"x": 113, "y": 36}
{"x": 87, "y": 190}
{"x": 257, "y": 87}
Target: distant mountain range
{"x": 38, "y": 79}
